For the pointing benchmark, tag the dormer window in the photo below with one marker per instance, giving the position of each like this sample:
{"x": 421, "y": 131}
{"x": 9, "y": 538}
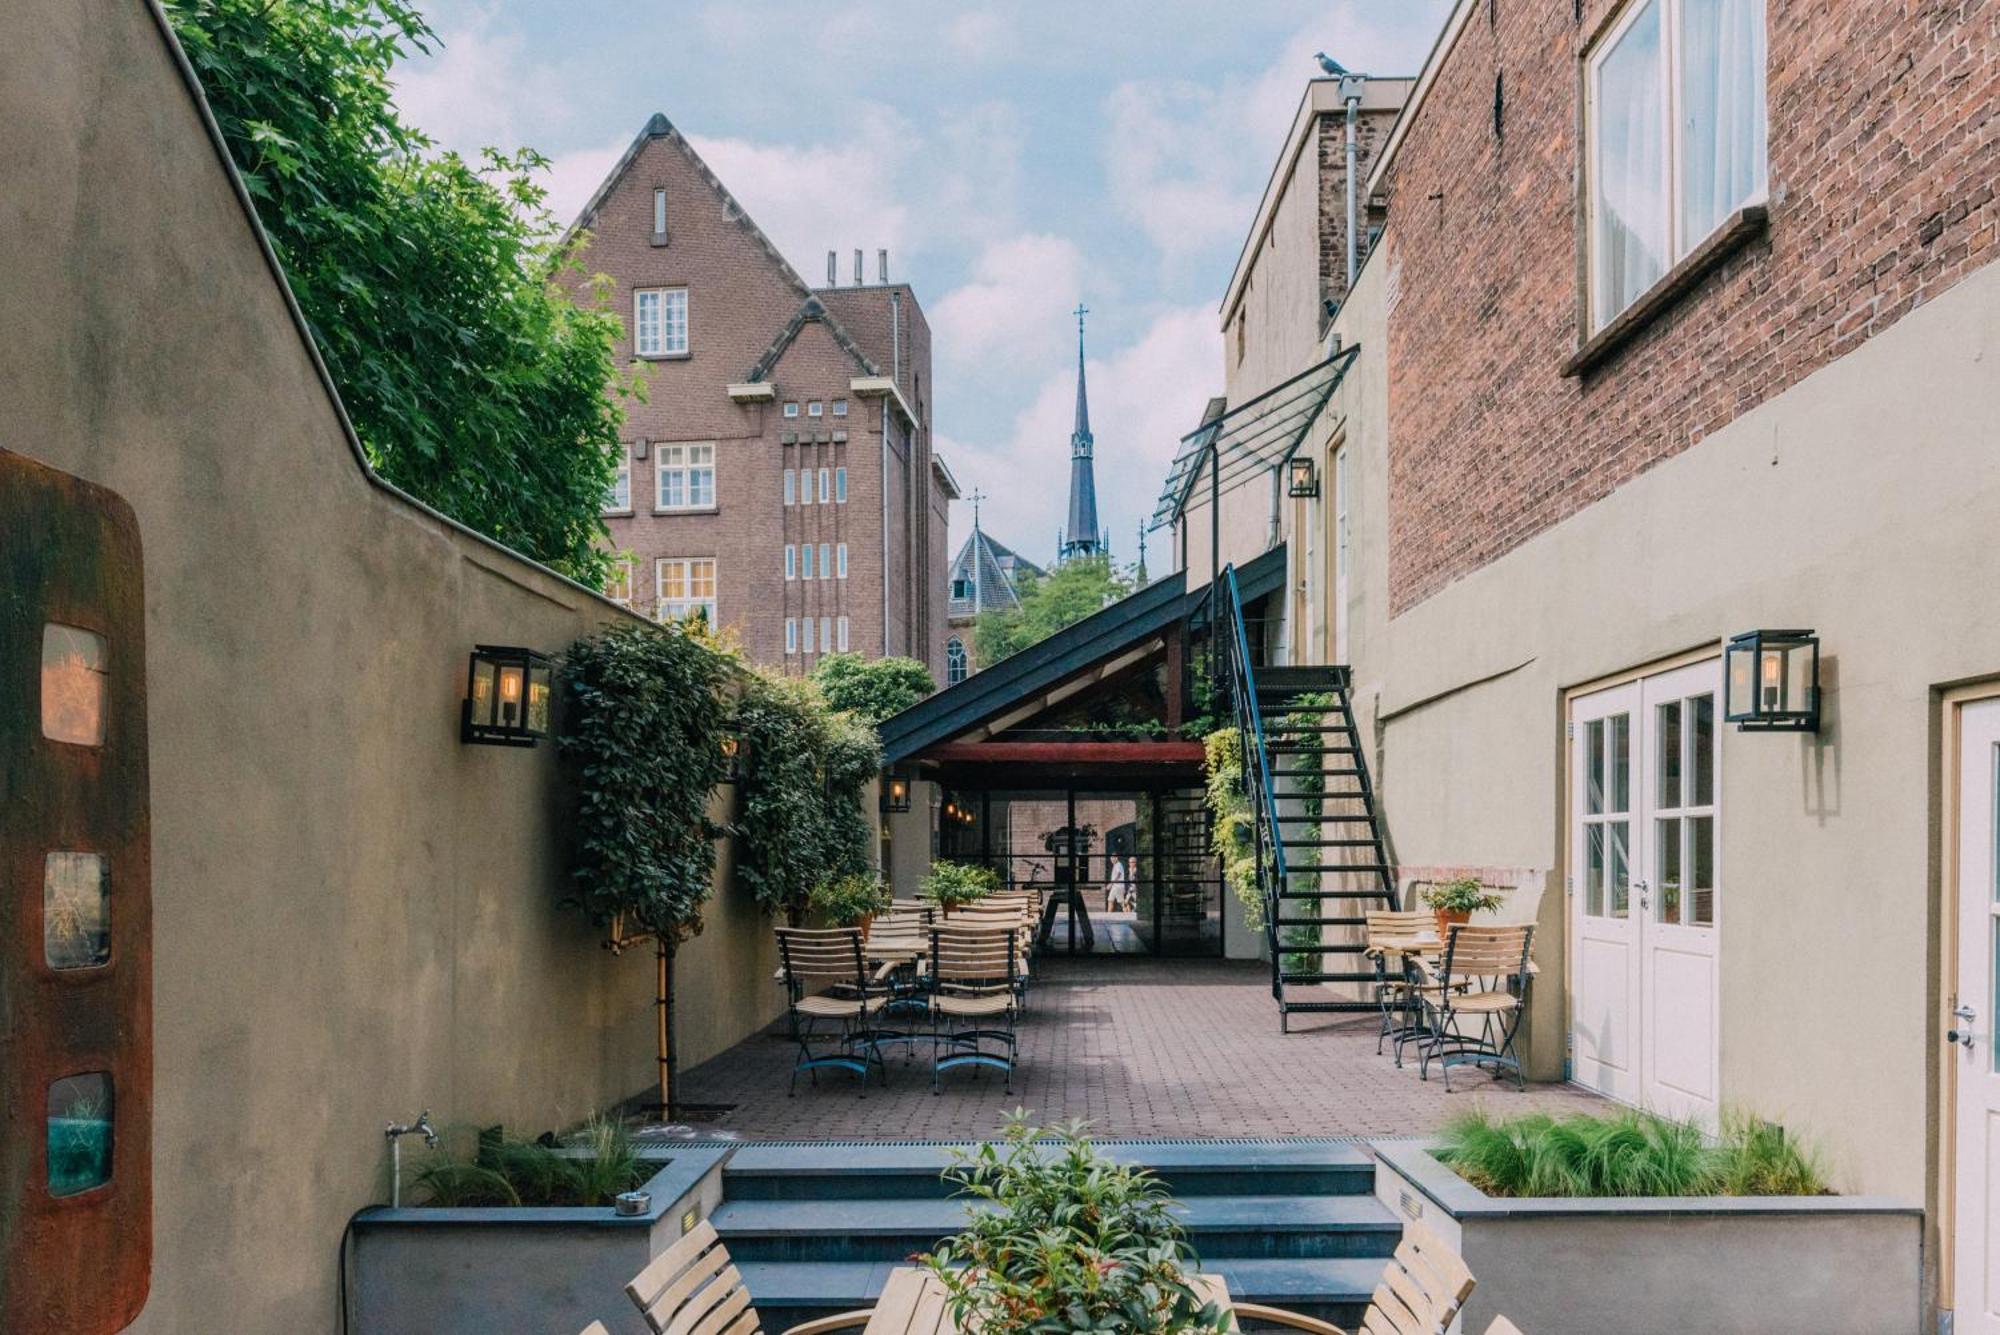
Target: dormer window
{"x": 659, "y": 216}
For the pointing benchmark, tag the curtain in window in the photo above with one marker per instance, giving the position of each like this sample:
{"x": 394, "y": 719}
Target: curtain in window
{"x": 1630, "y": 168}
{"x": 1721, "y": 112}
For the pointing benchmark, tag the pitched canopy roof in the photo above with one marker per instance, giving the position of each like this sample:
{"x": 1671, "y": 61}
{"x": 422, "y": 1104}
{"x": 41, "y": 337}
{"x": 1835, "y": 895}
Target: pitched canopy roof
{"x": 990, "y": 569}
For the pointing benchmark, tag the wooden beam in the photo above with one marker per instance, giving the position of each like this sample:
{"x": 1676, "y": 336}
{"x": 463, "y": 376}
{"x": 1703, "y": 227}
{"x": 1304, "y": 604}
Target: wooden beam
{"x": 1065, "y": 753}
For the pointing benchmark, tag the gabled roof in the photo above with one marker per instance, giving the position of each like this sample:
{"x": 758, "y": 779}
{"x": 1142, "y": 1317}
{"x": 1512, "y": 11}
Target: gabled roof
{"x": 811, "y": 309}
{"x": 992, "y": 578}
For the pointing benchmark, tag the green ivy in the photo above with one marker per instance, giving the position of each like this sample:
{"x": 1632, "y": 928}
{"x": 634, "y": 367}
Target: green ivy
{"x": 806, "y": 767}
{"x": 1233, "y": 822}
{"x": 873, "y": 689}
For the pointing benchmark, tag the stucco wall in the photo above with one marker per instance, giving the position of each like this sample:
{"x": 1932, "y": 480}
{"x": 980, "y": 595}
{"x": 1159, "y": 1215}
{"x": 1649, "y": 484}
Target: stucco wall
{"x": 355, "y": 915}
{"x": 1859, "y": 502}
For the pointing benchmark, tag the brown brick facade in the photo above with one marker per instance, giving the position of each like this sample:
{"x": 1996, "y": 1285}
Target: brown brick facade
{"x": 744, "y": 318}
{"x": 1884, "y": 153}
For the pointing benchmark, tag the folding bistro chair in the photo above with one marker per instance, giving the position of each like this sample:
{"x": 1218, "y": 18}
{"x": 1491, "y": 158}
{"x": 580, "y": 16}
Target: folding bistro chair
{"x": 974, "y": 976}
{"x": 1388, "y": 932}
{"x": 1420, "y": 1293}
{"x": 692, "y": 1288}
{"x": 1483, "y": 978}
{"x": 1008, "y": 909}
{"x": 832, "y": 1002}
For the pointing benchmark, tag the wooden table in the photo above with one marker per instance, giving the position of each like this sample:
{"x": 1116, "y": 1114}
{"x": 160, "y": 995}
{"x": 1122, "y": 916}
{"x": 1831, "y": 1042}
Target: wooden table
{"x": 915, "y": 1302}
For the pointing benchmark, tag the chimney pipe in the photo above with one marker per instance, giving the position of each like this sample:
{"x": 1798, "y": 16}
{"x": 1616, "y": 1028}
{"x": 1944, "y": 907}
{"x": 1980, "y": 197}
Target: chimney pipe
{"x": 857, "y": 266}
{"x": 833, "y": 268}
{"x": 882, "y": 266}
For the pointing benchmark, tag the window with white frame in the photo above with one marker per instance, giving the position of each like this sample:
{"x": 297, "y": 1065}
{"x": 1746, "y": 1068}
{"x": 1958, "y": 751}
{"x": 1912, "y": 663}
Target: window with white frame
{"x": 687, "y": 586}
{"x": 954, "y": 661}
{"x": 791, "y": 635}
{"x": 618, "y": 585}
{"x": 618, "y": 496}
{"x": 684, "y": 476}
{"x": 826, "y": 560}
{"x": 659, "y": 211}
{"x": 1676, "y": 138}
{"x": 815, "y": 409}
{"x": 805, "y": 635}
{"x": 825, "y": 486}
{"x": 660, "y": 322}
{"x": 841, "y": 626}
{"x": 805, "y": 486}
{"x": 791, "y": 561}
{"x": 840, "y": 407}
{"x": 826, "y": 635}
{"x": 805, "y": 560}
{"x": 840, "y": 485}
{"x": 791, "y": 410}
{"x": 840, "y": 555}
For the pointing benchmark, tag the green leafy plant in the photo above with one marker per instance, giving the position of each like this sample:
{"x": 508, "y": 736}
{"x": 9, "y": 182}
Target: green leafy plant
{"x": 950, "y": 885}
{"x": 1066, "y": 595}
{"x": 1626, "y": 1153}
{"x": 1310, "y": 750}
{"x": 1232, "y": 820}
{"x": 602, "y": 1164}
{"x": 1466, "y": 894}
{"x": 1063, "y": 1239}
{"x": 474, "y": 380}
{"x": 642, "y": 740}
{"x": 873, "y": 689}
{"x": 846, "y": 901}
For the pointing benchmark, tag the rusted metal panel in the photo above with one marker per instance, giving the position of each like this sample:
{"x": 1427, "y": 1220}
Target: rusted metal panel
{"x": 74, "y": 1257}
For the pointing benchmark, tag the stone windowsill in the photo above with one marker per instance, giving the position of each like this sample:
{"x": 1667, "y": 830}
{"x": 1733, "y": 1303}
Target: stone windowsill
{"x": 687, "y": 509}
{"x": 1676, "y": 283}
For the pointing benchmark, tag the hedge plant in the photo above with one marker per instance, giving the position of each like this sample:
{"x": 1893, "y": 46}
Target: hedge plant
{"x": 1234, "y": 822}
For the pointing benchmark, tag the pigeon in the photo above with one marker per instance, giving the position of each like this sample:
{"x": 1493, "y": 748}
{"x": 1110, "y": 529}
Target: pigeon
{"x": 1329, "y": 64}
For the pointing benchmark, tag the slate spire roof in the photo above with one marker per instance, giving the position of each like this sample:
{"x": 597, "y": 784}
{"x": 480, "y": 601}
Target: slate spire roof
{"x": 985, "y": 573}
{"x": 1082, "y": 537}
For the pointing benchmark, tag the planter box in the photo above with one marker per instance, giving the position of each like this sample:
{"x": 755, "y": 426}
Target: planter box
{"x": 422, "y": 1271}
{"x": 1724, "y": 1265}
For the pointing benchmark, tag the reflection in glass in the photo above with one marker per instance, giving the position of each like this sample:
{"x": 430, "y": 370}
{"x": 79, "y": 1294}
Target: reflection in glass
{"x": 1628, "y": 169}
{"x": 1621, "y": 762}
{"x": 1667, "y": 839}
{"x": 1701, "y": 869}
{"x": 1593, "y": 870}
{"x": 1593, "y": 766}
{"x": 1670, "y": 753}
{"x": 1703, "y": 764}
{"x": 76, "y": 910}
{"x": 79, "y": 1133}
{"x": 74, "y": 663}
{"x": 1619, "y": 873}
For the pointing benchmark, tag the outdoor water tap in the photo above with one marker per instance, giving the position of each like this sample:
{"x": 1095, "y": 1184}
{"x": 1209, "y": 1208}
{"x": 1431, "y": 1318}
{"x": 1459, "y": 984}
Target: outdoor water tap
{"x": 422, "y": 1126}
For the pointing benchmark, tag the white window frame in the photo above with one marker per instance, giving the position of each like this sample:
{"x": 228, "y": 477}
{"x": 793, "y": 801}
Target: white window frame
{"x": 665, "y": 336}
{"x": 840, "y": 407}
{"x": 791, "y": 487}
{"x": 1679, "y": 245}
{"x": 791, "y": 635}
{"x": 688, "y": 463}
{"x": 805, "y": 560}
{"x": 620, "y": 587}
{"x": 679, "y": 607}
{"x": 659, "y": 211}
{"x": 826, "y": 635}
{"x": 840, "y": 625}
{"x": 791, "y": 561}
{"x": 618, "y": 501}
{"x": 806, "y": 635}
{"x": 840, "y": 555}
{"x": 825, "y": 486}
{"x": 826, "y": 560}
{"x": 815, "y": 409}
{"x": 840, "y": 485}
{"x": 957, "y": 666}
{"x": 791, "y": 410}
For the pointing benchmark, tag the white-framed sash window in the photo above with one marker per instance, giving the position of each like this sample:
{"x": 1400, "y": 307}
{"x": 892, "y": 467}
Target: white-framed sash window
{"x": 660, "y": 322}
{"x": 791, "y": 487}
{"x": 825, "y": 486}
{"x": 806, "y": 635}
{"x": 841, "y": 626}
{"x": 684, "y": 477}
{"x": 805, "y": 560}
{"x": 687, "y": 586}
{"x": 791, "y": 635}
{"x": 840, "y": 485}
{"x": 791, "y": 561}
{"x": 826, "y": 560}
{"x": 618, "y": 496}
{"x": 618, "y": 586}
{"x": 826, "y": 635}
{"x": 840, "y": 555}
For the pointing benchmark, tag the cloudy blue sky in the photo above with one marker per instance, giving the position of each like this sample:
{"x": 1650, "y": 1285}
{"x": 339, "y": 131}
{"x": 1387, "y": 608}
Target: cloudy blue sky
{"x": 1013, "y": 156}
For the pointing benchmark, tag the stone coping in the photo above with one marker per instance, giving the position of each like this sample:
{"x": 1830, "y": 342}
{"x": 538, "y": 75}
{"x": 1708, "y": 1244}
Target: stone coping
{"x": 682, "y": 1169}
{"x": 1413, "y": 1161}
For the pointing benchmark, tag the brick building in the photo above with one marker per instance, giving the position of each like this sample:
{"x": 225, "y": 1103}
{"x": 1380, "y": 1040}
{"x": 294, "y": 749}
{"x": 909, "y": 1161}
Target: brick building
{"x": 1680, "y": 326}
{"x": 780, "y": 476}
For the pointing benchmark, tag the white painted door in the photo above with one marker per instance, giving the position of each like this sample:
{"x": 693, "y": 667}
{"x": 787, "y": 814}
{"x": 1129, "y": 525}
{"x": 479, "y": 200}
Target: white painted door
{"x": 1645, "y": 796}
{"x": 1976, "y": 1226}
{"x": 1603, "y": 932}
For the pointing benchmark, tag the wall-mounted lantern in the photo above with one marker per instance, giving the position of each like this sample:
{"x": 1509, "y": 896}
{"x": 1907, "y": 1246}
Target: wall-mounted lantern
{"x": 732, "y": 758}
{"x": 1771, "y": 683}
{"x": 506, "y": 697}
{"x": 895, "y": 794}
{"x": 1301, "y": 478}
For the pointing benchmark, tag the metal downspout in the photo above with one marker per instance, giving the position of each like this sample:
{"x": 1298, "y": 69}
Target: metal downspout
{"x": 1350, "y": 92}
{"x": 895, "y": 378}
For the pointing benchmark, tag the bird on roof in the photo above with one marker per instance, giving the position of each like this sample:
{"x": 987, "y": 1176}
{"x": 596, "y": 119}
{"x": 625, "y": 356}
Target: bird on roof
{"x": 1329, "y": 64}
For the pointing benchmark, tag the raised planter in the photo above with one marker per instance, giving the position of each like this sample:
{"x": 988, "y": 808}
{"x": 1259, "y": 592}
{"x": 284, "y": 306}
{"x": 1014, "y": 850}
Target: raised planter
{"x": 418, "y": 1271}
{"x": 1722, "y": 1265}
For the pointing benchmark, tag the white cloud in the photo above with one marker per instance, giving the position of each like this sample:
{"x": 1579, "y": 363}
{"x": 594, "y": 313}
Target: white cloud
{"x": 480, "y": 87}
{"x": 1143, "y": 398}
{"x": 1012, "y": 307}
{"x": 572, "y": 178}
{"x": 983, "y": 35}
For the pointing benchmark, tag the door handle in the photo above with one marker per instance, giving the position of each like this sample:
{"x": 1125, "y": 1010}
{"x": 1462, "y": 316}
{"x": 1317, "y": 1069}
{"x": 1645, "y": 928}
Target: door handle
{"x": 1965, "y": 1015}
{"x": 1645, "y": 899}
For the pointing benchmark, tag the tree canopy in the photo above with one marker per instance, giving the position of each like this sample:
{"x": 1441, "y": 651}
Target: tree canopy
{"x": 472, "y": 381}
{"x": 1063, "y": 597}
{"x": 873, "y": 689}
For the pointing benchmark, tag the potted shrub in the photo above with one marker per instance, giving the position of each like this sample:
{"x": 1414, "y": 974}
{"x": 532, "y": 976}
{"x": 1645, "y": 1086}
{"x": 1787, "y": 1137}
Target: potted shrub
{"x": 950, "y": 885}
{"x": 1457, "y": 900}
{"x": 1063, "y": 1239}
{"x": 850, "y": 901}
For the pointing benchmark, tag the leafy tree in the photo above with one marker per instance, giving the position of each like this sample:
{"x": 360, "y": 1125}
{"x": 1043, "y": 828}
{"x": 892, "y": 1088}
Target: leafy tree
{"x": 800, "y": 817}
{"x": 1066, "y": 595}
{"x": 642, "y": 735}
{"x": 472, "y": 381}
{"x": 873, "y": 690}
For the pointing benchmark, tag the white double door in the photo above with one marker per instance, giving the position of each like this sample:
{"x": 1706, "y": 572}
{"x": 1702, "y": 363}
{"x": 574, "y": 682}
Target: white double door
{"x": 1645, "y": 790}
{"x": 1974, "y": 1052}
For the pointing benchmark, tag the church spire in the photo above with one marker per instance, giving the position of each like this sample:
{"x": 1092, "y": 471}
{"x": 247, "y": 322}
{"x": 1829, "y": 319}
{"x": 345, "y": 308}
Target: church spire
{"x": 1083, "y": 539}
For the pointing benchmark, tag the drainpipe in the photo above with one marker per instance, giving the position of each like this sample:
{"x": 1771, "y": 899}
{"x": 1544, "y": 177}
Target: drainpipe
{"x": 888, "y": 403}
{"x": 1350, "y": 92}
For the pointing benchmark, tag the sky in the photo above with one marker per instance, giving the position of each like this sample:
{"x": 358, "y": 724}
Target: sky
{"x": 1015, "y": 157}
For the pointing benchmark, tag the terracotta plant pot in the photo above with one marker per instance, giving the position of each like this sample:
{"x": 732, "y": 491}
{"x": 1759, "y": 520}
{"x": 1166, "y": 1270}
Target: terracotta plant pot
{"x": 867, "y": 921}
{"x": 1446, "y": 917}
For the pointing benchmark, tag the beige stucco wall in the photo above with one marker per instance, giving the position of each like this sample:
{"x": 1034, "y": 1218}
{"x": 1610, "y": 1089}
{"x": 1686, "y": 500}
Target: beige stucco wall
{"x": 355, "y": 915}
{"x": 1862, "y": 503}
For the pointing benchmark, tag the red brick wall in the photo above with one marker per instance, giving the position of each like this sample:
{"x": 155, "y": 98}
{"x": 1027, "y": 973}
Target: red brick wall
{"x": 1884, "y": 153}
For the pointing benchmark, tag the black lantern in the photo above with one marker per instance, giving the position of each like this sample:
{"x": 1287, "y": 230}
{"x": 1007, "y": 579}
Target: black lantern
{"x": 1771, "y": 681}
{"x": 506, "y": 697}
{"x": 732, "y": 758}
{"x": 895, "y": 793}
{"x": 1301, "y": 478}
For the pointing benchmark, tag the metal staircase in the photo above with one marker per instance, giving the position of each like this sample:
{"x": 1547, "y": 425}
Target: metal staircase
{"x": 1320, "y": 857}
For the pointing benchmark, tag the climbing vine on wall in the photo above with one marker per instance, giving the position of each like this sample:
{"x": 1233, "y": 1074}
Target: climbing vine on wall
{"x": 1233, "y": 822}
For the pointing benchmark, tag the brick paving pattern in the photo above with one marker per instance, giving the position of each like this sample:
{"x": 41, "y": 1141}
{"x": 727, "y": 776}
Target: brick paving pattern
{"x": 1144, "y": 1049}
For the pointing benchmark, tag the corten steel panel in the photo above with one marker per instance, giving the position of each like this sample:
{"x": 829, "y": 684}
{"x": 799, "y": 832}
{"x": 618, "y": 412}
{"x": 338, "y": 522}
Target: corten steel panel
{"x": 69, "y": 553}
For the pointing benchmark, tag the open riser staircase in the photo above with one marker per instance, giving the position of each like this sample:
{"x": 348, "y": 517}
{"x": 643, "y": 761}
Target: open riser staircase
{"x": 1320, "y": 856}
{"x": 816, "y": 1228}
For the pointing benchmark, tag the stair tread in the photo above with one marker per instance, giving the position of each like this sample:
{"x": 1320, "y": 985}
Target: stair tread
{"x": 1289, "y": 978}
{"x": 927, "y": 1218}
{"x": 855, "y": 1284}
{"x": 867, "y": 1160}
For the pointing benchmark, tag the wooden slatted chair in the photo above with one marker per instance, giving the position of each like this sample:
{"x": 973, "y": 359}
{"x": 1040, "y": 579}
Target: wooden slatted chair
{"x": 831, "y": 1002}
{"x": 596, "y": 1328}
{"x": 1420, "y": 1293}
{"x": 692, "y": 1288}
{"x": 1502, "y": 1326}
{"x": 974, "y": 979}
{"x": 1011, "y": 909}
{"x": 1482, "y": 978}
{"x": 1388, "y": 931}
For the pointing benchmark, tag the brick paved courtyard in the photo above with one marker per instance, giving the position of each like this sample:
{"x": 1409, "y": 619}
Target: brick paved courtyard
{"x": 1143, "y": 1048}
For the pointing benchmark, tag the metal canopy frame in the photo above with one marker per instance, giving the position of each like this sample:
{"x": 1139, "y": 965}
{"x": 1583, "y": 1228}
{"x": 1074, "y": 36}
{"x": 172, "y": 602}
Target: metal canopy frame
{"x": 1260, "y": 434}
